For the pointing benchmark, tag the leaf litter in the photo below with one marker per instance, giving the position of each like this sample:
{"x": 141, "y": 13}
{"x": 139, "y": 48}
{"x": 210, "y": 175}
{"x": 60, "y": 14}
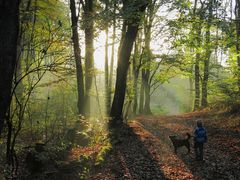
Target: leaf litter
{"x": 144, "y": 150}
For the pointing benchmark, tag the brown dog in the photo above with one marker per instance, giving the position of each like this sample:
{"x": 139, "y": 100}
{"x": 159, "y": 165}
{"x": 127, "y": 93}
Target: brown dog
{"x": 180, "y": 142}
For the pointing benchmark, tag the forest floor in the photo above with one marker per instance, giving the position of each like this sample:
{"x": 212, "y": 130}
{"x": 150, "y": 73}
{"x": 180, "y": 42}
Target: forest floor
{"x": 144, "y": 150}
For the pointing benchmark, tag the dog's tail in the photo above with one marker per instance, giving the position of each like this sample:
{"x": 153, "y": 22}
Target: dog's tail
{"x": 188, "y": 136}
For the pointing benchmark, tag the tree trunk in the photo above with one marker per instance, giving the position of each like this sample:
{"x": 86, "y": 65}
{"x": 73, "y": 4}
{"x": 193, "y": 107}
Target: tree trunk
{"x": 135, "y": 78}
{"x": 197, "y": 28}
{"x": 191, "y": 89}
{"x": 89, "y": 52}
{"x": 123, "y": 64}
{"x": 112, "y": 56}
{"x": 197, "y": 74}
{"x": 141, "y": 100}
{"x": 77, "y": 55}
{"x": 9, "y": 23}
{"x": 237, "y": 15}
{"x": 135, "y": 89}
{"x": 107, "y": 93}
{"x": 9, "y": 140}
{"x": 147, "y": 109}
{"x": 197, "y": 83}
{"x": 207, "y": 59}
{"x": 148, "y": 23}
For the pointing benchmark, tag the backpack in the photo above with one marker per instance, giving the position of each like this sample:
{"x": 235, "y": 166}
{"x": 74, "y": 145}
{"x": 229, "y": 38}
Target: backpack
{"x": 200, "y": 135}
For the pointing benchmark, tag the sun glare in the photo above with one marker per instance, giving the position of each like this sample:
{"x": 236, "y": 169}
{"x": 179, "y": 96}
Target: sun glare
{"x": 99, "y": 54}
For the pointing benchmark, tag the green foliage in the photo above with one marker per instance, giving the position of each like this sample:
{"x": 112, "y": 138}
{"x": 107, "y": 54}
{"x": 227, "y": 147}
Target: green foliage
{"x": 102, "y": 155}
{"x": 44, "y": 101}
{"x": 182, "y": 5}
{"x": 226, "y": 94}
{"x": 189, "y": 30}
{"x": 159, "y": 110}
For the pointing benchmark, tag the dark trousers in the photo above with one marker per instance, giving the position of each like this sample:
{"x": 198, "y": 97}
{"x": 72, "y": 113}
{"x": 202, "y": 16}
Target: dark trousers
{"x": 198, "y": 147}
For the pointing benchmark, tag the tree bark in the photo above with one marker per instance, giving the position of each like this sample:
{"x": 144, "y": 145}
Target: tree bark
{"x": 135, "y": 77}
{"x": 207, "y": 59}
{"x": 9, "y": 23}
{"x": 191, "y": 95}
{"x": 112, "y": 56}
{"x": 197, "y": 82}
{"x": 148, "y": 21}
{"x": 149, "y": 73}
{"x": 147, "y": 109}
{"x": 141, "y": 100}
{"x": 197, "y": 27}
{"x": 89, "y": 52}
{"x": 78, "y": 60}
{"x": 123, "y": 63}
{"x": 237, "y": 15}
{"x": 107, "y": 89}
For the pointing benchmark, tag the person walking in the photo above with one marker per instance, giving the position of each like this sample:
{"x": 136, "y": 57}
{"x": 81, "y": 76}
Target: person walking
{"x": 200, "y": 137}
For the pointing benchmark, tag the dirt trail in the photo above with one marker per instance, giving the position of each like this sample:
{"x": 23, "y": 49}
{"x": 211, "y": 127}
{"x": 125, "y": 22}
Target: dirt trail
{"x": 145, "y": 151}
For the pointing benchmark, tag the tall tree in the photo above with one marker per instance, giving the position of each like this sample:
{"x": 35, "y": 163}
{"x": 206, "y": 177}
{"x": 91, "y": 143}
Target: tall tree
{"x": 206, "y": 61}
{"x": 132, "y": 22}
{"x": 136, "y": 63}
{"x": 141, "y": 95}
{"x": 77, "y": 55}
{"x": 88, "y": 7}
{"x": 148, "y": 23}
{"x": 237, "y": 15}
{"x": 9, "y": 23}
{"x": 107, "y": 89}
{"x": 197, "y": 29}
{"x": 113, "y": 54}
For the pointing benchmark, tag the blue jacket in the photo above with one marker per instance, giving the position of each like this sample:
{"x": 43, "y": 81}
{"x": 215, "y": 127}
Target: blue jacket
{"x": 200, "y": 135}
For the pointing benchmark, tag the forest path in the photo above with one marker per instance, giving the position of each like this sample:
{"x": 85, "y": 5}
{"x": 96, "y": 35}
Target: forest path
{"x": 145, "y": 150}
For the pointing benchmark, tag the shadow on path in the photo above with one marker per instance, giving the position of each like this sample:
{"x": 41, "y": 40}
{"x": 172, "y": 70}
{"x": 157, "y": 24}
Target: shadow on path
{"x": 221, "y": 151}
{"x": 133, "y": 160}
